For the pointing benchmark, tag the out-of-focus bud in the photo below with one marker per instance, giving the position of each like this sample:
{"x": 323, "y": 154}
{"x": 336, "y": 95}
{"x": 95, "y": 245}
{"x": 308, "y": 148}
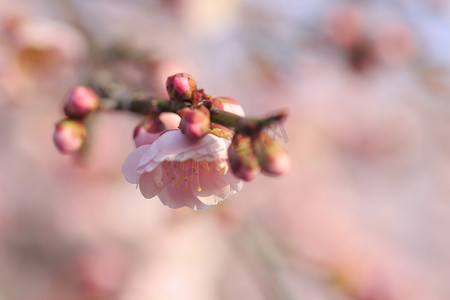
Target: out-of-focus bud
{"x": 181, "y": 87}
{"x": 147, "y": 131}
{"x": 229, "y": 105}
{"x": 346, "y": 25}
{"x": 272, "y": 158}
{"x": 80, "y": 102}
{"x": 100, "y": 272}
{"x": 171, "y": 120}
{"x": 195, "y": 123}
{"x": 69, "y": 136}
{"x": 395, "y": 44}
{"x": 243, "y": 161}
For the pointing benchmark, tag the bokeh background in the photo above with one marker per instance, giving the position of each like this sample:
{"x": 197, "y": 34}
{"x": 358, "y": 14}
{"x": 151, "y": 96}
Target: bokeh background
{"x": 364, "y": 212}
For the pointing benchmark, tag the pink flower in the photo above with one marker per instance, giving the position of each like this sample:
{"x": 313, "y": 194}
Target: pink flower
{"x": 182, "y": 171}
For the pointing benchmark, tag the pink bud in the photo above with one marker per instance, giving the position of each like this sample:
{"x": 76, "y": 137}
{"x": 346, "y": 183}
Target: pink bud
{"x": 243, "y": 161}
{"x": 171, "y": 120}
{"x": 181, "y": 87}
{"x": 229, "y": 105}
{"x": 80, "y": 102}
{"x": 147, "y": 131}
{"x": 69, "y": 136}
{"x": 272, "y": 158}
{"x": 195, "y": 123}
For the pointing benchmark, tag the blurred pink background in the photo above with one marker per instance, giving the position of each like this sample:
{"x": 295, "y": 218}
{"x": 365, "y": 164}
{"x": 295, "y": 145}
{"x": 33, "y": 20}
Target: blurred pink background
{"x": 363, "y": 214}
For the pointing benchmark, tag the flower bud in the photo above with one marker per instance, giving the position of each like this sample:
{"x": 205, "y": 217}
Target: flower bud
{"x": 147, "y": 131}
{"x": 69, "y": 136}
{"x": 170, "y": 120}
{"x": 181, "y": 87}
{"x": 195, "y": 123}
{"x": 243, "y": 161}
{"x": 272, "y": 158}
{"x": 80, "y": 102}
{"x": 229, "y": 105}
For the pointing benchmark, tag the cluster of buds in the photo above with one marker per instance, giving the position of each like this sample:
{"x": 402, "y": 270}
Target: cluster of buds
{"x": 70, "y": 133}
{"x": 190, "y": 140}
{"x": 251, "y": 154}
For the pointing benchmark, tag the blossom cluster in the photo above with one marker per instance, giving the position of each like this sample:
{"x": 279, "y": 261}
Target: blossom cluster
{"x": 192, "y": 149}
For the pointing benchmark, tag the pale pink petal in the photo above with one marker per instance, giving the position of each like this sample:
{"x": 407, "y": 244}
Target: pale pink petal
{"x": 234, "y": 109}
{"x": 235, "y": 183}
{"x": 146, "y": 158}
{"x": 171, "y": 120}
{"x": 212, "y": 148}
{"x": 150, "y": 184}
{"x": 213, "y": 188}
{"x": 173, "y": 141}
{"x": 176, "y": 197}
{"x": 145, "y": 138}
{"x": 129, "y": 167}
{"x": 174, "y": 146}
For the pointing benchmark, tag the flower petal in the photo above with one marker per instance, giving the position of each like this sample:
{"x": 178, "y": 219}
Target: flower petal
{"x": 147, "y": 158}
{"x": 234, "y": 109}
{"x": 235, "y": 183}
{"x": 131, "y": 162}
{"x": 150, "y": 183}
{"x": 176, "y": 197}
{"x": 213, "y": 188}
{"x": 174, "y": 146}
{"x": 173, "y": 141}
{"x": 171, "y": 120}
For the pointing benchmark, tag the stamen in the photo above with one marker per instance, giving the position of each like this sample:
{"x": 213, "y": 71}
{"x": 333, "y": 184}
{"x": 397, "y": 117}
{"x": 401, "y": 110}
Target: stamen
{"x": 177, "y": 172}
{"x": 157, "y": 178}
{"x": 197, "y": 177}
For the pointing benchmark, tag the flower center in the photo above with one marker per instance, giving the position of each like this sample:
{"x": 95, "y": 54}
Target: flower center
{"x": 184, "y": 173}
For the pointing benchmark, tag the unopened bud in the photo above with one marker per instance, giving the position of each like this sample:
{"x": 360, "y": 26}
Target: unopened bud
{"x": 80, "y": 102}
{"x": 147, "y": 131}
{"x": 181, "y": 87}
{"x": 69, "y": 136}
{"x": 272, "y": 158}
{"x": 229, "y": 105}
{"x": 243, "y": 161}
{"x": 195, "y": 123}
{"x": 171, "y": 120}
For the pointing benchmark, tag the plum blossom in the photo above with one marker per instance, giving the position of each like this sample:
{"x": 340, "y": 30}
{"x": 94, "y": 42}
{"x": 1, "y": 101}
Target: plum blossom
{"x": 183, "y": 171}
